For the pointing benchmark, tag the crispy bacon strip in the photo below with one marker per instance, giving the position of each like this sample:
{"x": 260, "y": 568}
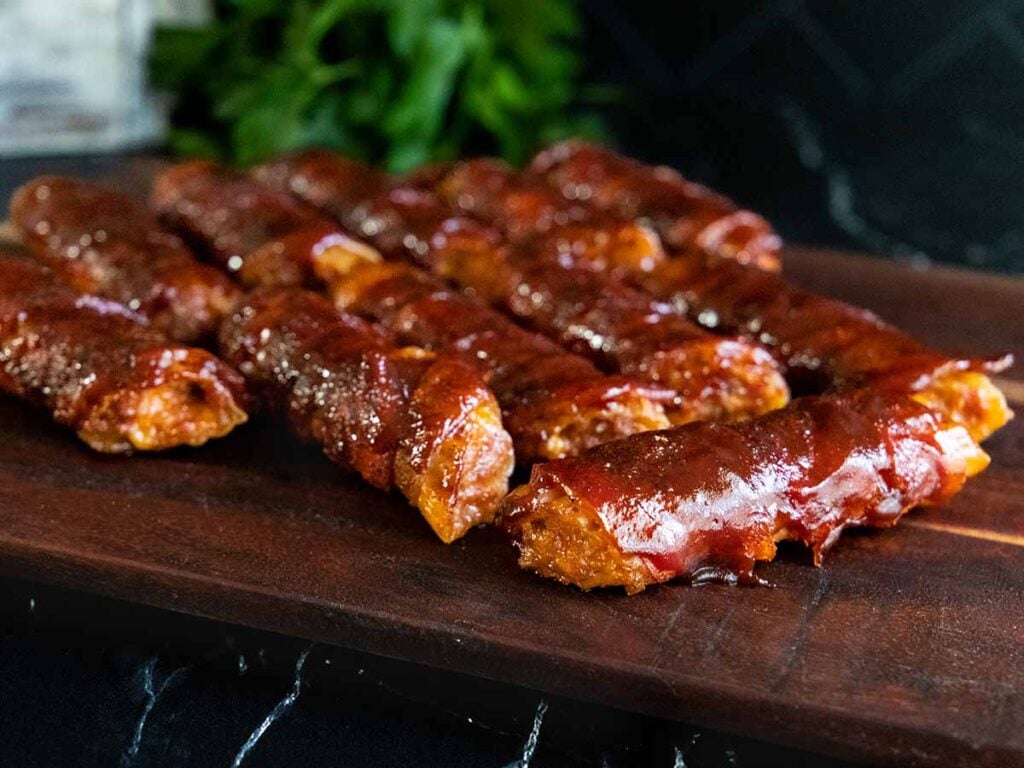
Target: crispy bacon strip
{"x": 400, "y": 222}
{"x": 103, "y": 243}
{"x": 265, "y": 238}
{"x": 332, "y": 183}
{"x": 100, "y": 371}
{"x": 490, "y": 190}
{"x": 707, "y": 501}
{"x": 555, "y": 404}
{"x": 827, "y": 343}
{"x": 400, "y": 417}
{"x": 525, "y": 209}
{"x": 689, "y": 217}
{"x": 619, "y": 327}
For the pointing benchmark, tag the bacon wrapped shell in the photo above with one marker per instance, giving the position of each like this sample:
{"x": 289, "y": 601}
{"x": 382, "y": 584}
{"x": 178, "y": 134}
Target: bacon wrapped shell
{"x": 688, "y": 216}
{"x": 399, "y": 416}
{"x": 263, "y": 237}
{"x": 102, "y": 372}
{"x": 103, "y": 243}
{"x": 825, "y": 343}
{"x": 706, "y": 502}
{"x": 617, "y": 326}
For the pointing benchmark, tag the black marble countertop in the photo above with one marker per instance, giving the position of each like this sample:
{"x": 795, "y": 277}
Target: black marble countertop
{"x": 89, "y": 681}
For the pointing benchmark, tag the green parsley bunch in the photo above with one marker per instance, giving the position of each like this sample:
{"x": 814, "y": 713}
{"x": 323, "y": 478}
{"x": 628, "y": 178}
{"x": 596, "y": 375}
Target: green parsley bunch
{"x": 398, "y": 82}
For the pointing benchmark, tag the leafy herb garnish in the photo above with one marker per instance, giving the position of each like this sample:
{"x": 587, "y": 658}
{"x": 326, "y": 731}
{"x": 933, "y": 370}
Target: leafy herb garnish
{"x": 400, "y": 82}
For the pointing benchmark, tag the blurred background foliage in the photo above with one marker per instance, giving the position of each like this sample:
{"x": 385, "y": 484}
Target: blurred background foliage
{"x": 398, "y": 82}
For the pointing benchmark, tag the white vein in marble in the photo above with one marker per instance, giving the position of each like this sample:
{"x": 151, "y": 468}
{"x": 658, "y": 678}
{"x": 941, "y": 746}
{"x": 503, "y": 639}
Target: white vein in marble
{"x": 531, "y": 741}
{"x": 152, "y": 693}
{"x": 275, "y": 714}
{"x": 842, "y": 199}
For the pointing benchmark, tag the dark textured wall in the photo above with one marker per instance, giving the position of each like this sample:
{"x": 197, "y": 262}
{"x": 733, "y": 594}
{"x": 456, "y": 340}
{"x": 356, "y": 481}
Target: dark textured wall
{"x": 889, "y": 126}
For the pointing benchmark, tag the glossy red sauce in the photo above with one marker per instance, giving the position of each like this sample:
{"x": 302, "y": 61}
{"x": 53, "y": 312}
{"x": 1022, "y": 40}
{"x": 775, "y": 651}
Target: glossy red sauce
{"x": 264, "y": 237}
{"x": 709, "y": 500}
{"x": 68, "y": 352}
{"x": 688, "y": 216}
{"x": 821, "y": 341}
{"x": 336, "y": 378}
{"x": 376, "y": 408}
{"x": 104, "y": 243}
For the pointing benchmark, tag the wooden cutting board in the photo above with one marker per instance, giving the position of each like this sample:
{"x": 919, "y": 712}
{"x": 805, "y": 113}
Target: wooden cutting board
{"x": 906, "y": 648}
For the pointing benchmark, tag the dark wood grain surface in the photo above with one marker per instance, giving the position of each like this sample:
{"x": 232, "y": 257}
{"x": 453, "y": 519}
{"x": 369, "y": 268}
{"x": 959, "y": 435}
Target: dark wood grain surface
{"x": 906, "y": 648}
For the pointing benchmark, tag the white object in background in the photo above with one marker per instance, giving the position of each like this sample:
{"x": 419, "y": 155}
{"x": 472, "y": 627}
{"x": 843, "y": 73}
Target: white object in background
{"x": 72, "y": 73}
